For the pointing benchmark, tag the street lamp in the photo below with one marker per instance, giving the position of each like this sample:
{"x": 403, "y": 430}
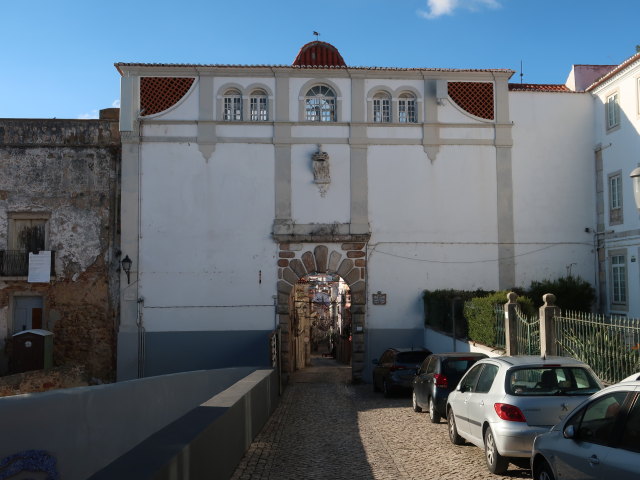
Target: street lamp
{"x": 126, "y": 266}
{"x": 635, "y": 176}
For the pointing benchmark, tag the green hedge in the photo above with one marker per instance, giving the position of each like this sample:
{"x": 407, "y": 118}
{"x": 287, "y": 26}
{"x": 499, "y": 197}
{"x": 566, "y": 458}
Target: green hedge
{"x": 480, "y": 313}
{"x": 572, "y": 293}
{"x": 439, "y": 306}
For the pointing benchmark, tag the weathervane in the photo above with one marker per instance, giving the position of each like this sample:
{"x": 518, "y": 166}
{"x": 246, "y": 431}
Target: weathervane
{"x": 317, "y": 35}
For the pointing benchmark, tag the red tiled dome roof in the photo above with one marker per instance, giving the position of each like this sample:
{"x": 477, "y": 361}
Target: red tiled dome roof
{"x": 319, "y": 54}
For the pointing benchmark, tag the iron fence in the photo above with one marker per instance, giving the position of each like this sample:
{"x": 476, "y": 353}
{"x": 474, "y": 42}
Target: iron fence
{"x": 610, "y": 345}
{"x": 527, "y": 334}
{"x": 15, "y": 263}
{"x": 499, "y": 326}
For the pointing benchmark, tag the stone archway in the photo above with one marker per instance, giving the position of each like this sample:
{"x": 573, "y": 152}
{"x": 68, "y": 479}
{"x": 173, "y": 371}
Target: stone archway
{"x": 348, "y": 260}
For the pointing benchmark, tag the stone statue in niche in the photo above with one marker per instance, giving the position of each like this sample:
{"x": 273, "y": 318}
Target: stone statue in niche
{"x": 321, "y": 173}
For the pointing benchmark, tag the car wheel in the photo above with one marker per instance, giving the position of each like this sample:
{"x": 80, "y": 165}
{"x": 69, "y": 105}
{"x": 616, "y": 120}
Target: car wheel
{"x": 496, "y": 463}
{"x": 453, "y": 430}
{"x": 386, "y": 391}
{"x": 414, "y": 401}
{"x": 433, "y": 415}
{"x": 543, "y": 472}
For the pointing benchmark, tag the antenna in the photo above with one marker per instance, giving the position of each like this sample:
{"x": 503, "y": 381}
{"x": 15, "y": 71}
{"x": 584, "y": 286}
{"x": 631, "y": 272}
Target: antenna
{"x": 521, "y": 72}
{"x": 317, "y": 35}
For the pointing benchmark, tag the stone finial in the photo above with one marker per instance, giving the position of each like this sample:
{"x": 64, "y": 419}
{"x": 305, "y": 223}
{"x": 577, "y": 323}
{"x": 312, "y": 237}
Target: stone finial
{"x": 549, "y": 300}
{"x": 512, "y": 297}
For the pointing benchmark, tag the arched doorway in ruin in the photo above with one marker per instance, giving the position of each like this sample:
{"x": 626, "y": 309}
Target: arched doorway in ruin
{"x": 311, "y": 272}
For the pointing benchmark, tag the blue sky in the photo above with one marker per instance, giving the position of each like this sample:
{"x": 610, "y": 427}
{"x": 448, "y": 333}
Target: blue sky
{"x": 58, "y": 56}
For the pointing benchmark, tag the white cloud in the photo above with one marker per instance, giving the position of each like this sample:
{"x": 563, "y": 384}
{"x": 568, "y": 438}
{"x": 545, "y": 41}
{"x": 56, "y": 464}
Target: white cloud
{"x": 87, "y": 116}
{"x": 438, "y": 8}
{"x": 116, "y": 103}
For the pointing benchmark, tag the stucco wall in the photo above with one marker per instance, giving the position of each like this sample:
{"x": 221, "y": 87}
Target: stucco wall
{"x": 66, "y": 170}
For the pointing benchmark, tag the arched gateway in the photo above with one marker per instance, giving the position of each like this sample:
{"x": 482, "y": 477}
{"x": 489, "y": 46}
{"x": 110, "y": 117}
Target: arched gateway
{"x": 347, "y": 260}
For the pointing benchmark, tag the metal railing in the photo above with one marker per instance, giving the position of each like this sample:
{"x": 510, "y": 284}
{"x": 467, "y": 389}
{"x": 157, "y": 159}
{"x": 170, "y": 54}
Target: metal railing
{"x": 499, "y": 327}
{"x": 610, "y": 345}
{"x": 15, "y": 263}
{"x": 527, "y": 334}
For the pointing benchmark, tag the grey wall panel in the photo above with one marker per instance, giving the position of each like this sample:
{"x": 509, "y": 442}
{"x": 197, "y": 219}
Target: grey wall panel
{"x": 170, "y": 352}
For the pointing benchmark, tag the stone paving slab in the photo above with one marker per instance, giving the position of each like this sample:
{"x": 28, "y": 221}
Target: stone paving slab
{"x": 325, "y": 428}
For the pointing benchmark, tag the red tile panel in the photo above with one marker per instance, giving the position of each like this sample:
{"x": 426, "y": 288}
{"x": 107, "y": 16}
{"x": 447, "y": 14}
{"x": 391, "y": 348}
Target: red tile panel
{"x": 157, "y": 94}
{"x": 475, "y": 98}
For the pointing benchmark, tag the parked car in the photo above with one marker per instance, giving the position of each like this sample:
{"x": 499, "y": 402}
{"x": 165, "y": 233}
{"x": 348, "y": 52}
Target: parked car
{"x": 599, "y": 439}
{"x": 437, "y": 376}
{"x": 502, "y": 403}
{"x": 396, "y": 368}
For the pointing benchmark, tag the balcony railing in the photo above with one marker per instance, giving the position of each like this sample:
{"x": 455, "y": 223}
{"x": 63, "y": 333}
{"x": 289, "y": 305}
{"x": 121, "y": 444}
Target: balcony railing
{"x": 15, "y": 263}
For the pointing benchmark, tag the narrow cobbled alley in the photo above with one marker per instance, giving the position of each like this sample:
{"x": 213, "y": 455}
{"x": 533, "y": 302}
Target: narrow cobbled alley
{"x": 325, "y": 428}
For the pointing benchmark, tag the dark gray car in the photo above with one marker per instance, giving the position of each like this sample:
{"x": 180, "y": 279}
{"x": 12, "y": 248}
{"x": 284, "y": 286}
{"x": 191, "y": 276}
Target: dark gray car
{"x": 395, "y": 369}
{"x": 438, "y": 375}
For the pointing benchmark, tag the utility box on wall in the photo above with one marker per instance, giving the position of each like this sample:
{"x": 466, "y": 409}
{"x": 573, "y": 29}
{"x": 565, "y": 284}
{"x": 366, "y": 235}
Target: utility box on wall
{"x": 31, "y": 350}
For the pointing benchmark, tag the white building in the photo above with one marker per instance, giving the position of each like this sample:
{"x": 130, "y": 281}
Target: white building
{"x": 616, "y": 98}
{"x": 237, "y": 181}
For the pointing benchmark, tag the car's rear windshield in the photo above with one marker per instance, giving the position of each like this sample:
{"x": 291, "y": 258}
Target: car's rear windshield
{"x": 551, "y": 380}
{"x": 453, "y": 367}
{"x": 413, "y": 358}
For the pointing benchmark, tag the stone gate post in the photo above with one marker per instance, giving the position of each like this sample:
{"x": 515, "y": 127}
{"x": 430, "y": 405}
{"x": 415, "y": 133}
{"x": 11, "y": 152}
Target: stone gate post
{"x": 548, "y": 312}
{"x": 510, "y": 339}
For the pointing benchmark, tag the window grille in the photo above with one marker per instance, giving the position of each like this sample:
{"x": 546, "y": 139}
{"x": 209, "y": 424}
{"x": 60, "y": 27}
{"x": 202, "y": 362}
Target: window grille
{"x": 320, "y": 105}
{"x": 381, "y": 108}
{"x": 406, "y": 108}
{"x": 258, "y": 111}
{"x": 233, "y": 106}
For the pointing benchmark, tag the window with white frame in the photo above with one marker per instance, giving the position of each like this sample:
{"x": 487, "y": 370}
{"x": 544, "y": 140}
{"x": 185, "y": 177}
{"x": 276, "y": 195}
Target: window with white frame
{"x": 615, "y": 198}
{"x": 232, "y": 105}
{"x": 613, "y": 111}
{"x": 406, "y": 108}
{"x": 618, "y": 279}
{"x": 258, "y": 106}
{"x": 382, "y": 107}
{"x": 320, "y": 104}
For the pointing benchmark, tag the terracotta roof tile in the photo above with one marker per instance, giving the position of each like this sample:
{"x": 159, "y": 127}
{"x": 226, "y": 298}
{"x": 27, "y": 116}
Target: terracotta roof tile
{"x": 535, "y": 87}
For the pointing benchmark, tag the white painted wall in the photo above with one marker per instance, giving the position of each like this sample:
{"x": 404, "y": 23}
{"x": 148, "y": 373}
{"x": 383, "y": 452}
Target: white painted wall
{"x": 205, "y": 248}
{"x": 554, "y": 186}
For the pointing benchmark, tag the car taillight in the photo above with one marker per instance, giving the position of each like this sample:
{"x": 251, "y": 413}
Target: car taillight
{"x": 441, "y": 380}
{"x": 397, "y": 367}
{"x": 508, "y": 412}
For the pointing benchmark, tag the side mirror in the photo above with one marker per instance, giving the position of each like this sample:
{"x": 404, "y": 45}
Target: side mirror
{"x": 569, "y": 432}
{"x": 460, "y": 388}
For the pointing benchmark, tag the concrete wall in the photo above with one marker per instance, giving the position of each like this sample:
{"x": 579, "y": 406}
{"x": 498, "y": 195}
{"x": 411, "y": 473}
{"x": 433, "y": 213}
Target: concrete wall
{"x": 207, "y": 442}
{"x": 87, "y": 428}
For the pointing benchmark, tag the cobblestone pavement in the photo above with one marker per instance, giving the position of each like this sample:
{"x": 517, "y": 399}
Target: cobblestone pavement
{"x": 325, "y": 428}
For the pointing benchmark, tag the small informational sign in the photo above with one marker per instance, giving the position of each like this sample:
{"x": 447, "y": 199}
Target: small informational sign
{"x": 379, "y": 298}
{"x": 39, "y": 267}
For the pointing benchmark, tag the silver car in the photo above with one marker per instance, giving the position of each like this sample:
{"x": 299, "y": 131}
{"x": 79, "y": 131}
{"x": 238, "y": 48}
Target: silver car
{"x": 502, "y": 403}
{"x": 600, "y": 439}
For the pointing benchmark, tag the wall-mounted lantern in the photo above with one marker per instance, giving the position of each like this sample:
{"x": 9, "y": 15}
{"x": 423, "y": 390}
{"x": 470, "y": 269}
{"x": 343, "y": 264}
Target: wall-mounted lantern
{"x": 635, "y": 176}
{"x": 126, "y": 266}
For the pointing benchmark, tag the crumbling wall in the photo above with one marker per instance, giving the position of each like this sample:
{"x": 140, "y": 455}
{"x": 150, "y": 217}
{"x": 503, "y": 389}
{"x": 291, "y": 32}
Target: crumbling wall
{"x": 68, "y": 170}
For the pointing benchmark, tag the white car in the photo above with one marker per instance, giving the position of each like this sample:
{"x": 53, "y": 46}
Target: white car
{"x": 502, "y": 403}
{"x": 599, "y": 440}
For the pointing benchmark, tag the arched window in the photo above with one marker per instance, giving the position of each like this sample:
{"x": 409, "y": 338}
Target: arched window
{"x": 382, "y": 107}
{"x": 232, "y": 105}
{"x": 320, "y": 105}
{"x": 258, "y": 106}
{"x": 407, "y": 108}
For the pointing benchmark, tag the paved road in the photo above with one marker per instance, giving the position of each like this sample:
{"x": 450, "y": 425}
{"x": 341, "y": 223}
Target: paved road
{"x": 325, "y": 428}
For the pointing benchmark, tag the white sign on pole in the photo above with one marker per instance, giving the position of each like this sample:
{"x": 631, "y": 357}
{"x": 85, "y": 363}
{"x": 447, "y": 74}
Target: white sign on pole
{"x": 39, "y": 267}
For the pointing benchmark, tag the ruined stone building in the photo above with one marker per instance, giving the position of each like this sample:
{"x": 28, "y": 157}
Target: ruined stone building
{"x": 59, "y": 193}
